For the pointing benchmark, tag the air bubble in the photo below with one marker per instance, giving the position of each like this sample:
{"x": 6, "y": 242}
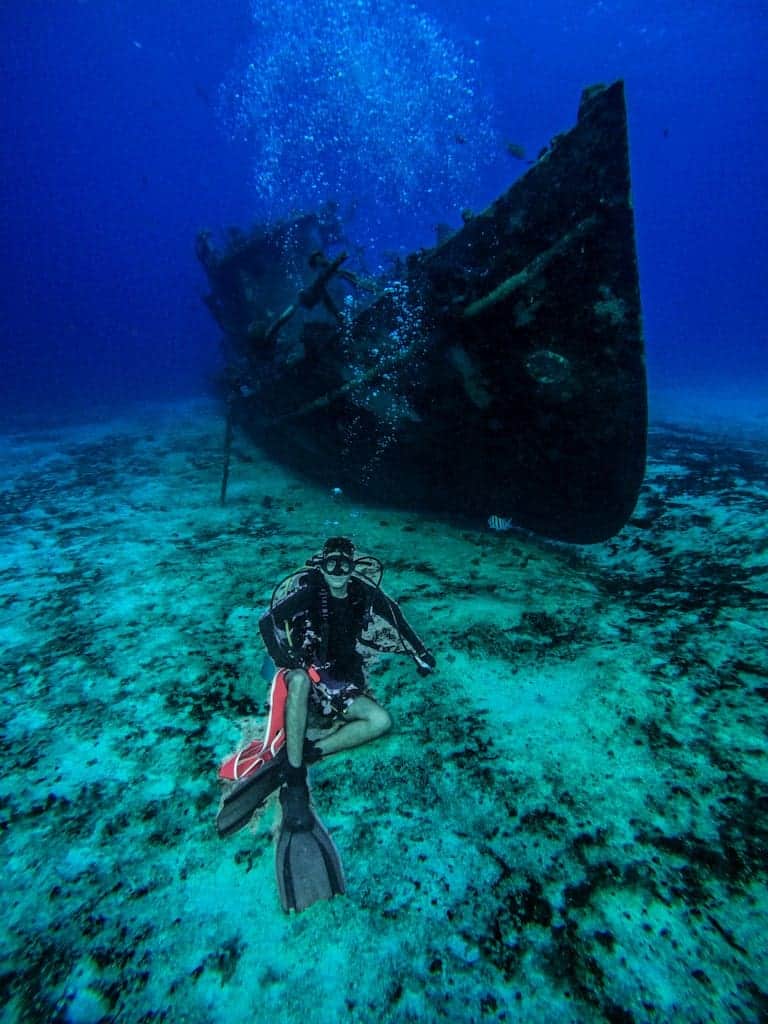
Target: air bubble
{"x": 383, "y": 92}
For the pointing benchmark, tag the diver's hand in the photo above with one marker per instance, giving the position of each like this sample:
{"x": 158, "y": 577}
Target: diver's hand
{"x": 425, "y": 663}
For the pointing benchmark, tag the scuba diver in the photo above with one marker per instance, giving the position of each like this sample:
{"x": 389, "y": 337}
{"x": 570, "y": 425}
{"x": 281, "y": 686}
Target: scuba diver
{"x": 321, "y": 621}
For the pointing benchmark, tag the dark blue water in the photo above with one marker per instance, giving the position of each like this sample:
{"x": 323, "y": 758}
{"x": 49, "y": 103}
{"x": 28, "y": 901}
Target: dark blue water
{"x": 129, "y": 126}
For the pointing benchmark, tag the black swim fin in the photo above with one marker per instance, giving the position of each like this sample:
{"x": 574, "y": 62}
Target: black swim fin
{"x": 308, "y": 864}
{"x": 244, "y": 797}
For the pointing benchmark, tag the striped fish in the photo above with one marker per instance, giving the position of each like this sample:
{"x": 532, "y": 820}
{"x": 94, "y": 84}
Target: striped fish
{"x": 499, "y": 523}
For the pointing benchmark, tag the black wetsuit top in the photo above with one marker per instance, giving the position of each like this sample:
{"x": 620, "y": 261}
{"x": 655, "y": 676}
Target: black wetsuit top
{"x": 311, "y": 627}
{"x": 344, "y": 627}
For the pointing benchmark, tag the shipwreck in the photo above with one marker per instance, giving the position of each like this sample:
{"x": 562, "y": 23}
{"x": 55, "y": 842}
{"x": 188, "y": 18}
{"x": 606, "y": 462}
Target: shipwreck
{"x": 499, "y": 373}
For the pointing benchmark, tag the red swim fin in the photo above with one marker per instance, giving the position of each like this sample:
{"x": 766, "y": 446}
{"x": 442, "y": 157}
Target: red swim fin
{"x": 261, "y": 752}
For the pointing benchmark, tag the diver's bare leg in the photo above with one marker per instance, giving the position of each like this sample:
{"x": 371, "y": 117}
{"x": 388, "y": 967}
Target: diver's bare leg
{"x": 321, "y": 732}
{"x": 363, "y": 721}
{"x": 296, "y": 715}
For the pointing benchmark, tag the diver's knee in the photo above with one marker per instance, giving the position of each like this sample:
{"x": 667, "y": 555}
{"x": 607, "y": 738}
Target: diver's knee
{"x": 298, "y": 684}
{"x": 380, "y": 721}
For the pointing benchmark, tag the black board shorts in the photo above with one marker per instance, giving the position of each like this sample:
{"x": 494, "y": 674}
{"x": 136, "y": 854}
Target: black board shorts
{"x": 329, "y": 697}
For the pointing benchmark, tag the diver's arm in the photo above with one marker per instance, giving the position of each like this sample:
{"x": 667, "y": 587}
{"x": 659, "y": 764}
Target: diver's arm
{"x": 272, "y": 639}
{"x": 389, "y": 610}
{"x": 283, "y": 629}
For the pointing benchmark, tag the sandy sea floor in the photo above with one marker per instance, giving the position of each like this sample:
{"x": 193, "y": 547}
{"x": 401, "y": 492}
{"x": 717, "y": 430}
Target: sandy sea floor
{"x": 569, "y": 821}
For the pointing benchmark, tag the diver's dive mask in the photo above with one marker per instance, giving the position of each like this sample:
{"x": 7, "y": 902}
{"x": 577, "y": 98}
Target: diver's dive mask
{"x": 337, "y": 564}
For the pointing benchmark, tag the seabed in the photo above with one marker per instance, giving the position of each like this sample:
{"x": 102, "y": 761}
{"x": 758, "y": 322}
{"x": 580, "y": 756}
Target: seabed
{"x": 568, "y": 822}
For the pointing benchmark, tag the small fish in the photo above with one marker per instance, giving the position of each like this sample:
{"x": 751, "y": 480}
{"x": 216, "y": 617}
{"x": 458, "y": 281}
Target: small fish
{"x": 516, "y": 150}
{"x": 499, "y": 523}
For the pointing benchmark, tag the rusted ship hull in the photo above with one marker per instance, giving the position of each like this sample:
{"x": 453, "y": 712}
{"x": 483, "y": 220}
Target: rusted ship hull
{"x": 501, "y": 372}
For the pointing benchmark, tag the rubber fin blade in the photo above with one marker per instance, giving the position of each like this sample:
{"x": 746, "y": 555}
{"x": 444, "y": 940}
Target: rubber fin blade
{"x": 308, "y": 866}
